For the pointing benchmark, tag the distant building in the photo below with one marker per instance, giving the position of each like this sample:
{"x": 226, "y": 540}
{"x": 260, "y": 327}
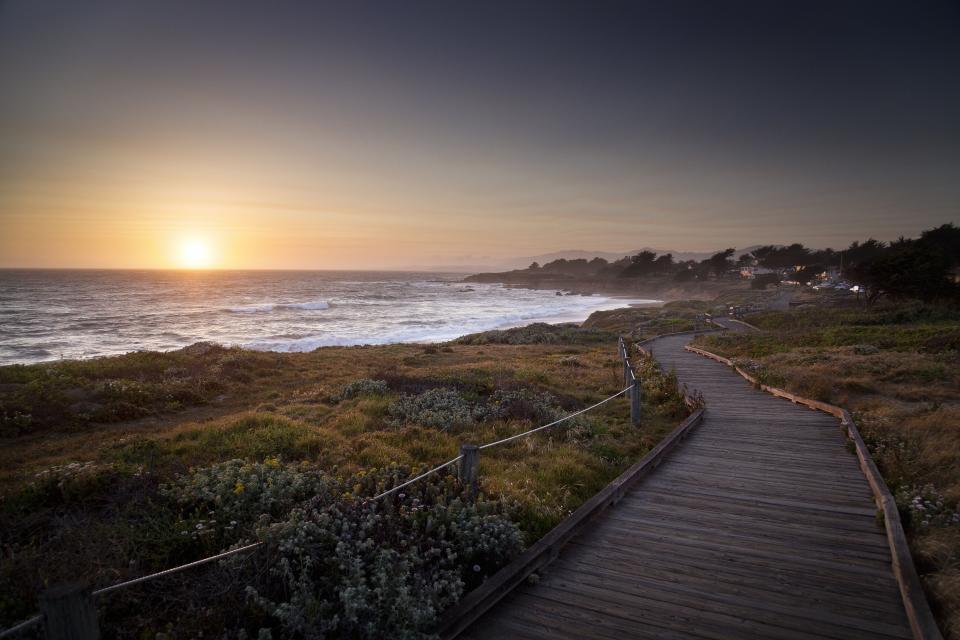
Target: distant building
{"x": 749, "y": 273}
{"x": 831, "y": 274}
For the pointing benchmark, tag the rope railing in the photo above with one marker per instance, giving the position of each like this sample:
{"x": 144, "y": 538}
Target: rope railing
{"x": 419, "y": 477}
{"x": 555, "y": 422}
{"x": 468, "y": 471}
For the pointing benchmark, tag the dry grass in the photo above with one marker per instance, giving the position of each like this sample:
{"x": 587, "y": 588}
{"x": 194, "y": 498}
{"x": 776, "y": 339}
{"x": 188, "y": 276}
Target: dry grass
{"x": 109, "y": 522}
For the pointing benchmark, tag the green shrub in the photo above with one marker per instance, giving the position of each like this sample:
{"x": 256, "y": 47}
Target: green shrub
{"x": 439, "y": 408}
{"x": 925, "y": 507}
{"x": 362, "y": 387}
{"x": 14, "y": 423}
{"x": 354, "y": 569}
{"x": 539, "y": 333}
{"x": 519, "y": 404}
{"x": 865, "y": 349}
{"x": 253, "y": 437}
{"x": 65, "y": 484}
{"x": 232, "y": 496}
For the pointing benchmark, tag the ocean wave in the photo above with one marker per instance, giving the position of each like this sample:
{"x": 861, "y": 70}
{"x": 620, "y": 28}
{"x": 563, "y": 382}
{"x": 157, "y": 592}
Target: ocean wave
{"x": 253, "y": 308}
{"x": 308, "y": 306}
{"x": 317, "y": 305}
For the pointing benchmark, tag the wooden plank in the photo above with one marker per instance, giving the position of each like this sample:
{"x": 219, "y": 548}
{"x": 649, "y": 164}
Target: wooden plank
{"x": 749, "y": 543}
{"x": 758, "y": 608}
{"x": 788, "y": 491}
{"x": 855, "y": 525}
{"x": 746, "y": 585}
{"x": 758, "y": 498}
{"x": 532, "y": 608}
{"x": 682, "y": 612}
{"x": 547, "y": 548}
{"x": 870, "y": 544}
{"x": 723, "y": 565}
{"x": 764, "y": 472}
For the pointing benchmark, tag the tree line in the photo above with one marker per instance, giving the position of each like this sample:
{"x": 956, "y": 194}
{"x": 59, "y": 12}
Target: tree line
{"x": 924, "y": 268}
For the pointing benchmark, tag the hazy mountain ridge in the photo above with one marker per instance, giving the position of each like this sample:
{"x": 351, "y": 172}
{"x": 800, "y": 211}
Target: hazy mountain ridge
{"x": 475, "y": 265}
{"x": 611, "y": 256}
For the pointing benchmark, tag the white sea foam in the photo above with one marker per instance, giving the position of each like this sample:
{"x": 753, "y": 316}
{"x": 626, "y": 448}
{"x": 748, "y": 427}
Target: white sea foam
{"x": 308, "y": 306}
{"x": 295, "y": 311}
{"x": 253, "y": 308}
{"x": 318, "y": 305}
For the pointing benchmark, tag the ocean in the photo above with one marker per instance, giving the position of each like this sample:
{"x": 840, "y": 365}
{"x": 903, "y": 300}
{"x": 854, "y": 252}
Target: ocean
{"x": 52, "y": 314}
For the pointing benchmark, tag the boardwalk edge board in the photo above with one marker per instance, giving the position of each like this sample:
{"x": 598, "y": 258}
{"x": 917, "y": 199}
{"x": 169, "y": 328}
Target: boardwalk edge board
{"x": 922, "y": 623}
{"x": 541, "y": 553}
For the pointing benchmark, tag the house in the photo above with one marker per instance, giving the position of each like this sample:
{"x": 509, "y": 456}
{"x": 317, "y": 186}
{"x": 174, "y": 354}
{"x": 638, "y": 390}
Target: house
{"x": 749, "y": 273}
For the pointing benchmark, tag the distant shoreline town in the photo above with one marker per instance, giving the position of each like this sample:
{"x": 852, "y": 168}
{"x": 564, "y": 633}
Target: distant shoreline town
{"x": 927, "y": 268}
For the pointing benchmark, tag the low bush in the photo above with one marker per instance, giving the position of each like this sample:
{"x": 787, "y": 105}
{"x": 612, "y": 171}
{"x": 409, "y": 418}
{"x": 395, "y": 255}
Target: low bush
{"x": 539, "y": 333}
{"x": 348, "y": 568}
{"x": 519, "y": 404}
{"x": 72, "y": 393}
{"x": 924, "y": 507}
{"x": 225, "y": 500}
{"x": 362, "y": 387}
{"x": 438, "y": 408}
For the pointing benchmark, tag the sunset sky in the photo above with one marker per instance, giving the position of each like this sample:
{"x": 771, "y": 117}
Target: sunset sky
{"x": 400, "y": 134}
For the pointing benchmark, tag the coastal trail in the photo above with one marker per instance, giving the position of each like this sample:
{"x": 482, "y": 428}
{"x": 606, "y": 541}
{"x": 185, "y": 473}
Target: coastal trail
{"x": 760, "y": 525}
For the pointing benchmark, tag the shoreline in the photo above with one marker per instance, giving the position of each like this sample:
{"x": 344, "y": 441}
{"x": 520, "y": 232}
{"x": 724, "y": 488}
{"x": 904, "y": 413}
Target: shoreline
{"x": 613, "y": 302}
{"x": 663, "y": 291}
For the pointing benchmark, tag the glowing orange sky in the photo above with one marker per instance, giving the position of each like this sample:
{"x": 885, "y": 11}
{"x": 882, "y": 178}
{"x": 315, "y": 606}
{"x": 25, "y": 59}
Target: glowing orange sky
{"x": 396, "y": 141}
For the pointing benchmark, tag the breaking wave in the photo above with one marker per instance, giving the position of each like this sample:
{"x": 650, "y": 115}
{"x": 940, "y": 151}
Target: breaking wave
{"x": 319, "y": 305}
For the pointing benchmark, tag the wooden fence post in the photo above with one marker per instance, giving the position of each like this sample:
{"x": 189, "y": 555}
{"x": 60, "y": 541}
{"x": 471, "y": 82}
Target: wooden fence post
{"x": 69, "y": 613}
{"x": 470, "y": 469}
{"x": 635, "y": 402}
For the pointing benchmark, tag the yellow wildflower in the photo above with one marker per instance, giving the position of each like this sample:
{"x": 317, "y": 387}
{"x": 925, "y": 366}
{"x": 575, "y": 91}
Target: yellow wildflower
{"x": 238, "y": 488}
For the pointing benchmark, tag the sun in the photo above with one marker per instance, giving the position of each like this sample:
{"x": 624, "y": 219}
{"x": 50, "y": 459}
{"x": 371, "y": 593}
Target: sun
{"x": 195, "y": 253}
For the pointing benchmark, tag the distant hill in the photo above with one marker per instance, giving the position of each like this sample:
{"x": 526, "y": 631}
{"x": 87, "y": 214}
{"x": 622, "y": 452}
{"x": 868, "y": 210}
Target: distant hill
{"x": 575, "y": 254}
{"x": 479, "y": 265}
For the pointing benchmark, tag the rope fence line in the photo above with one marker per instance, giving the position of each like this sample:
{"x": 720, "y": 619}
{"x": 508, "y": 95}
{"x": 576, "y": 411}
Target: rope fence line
{"x": 195, "y": 563}
{"x": 419, "y": 477}
{"x": 21, "y": 626}
{"x": 556, "y": 422}
{"x": 468, "y": 474}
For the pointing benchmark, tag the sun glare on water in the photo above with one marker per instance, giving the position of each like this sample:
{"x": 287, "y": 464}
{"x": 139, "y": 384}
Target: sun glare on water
{"x": 195, "y": 254}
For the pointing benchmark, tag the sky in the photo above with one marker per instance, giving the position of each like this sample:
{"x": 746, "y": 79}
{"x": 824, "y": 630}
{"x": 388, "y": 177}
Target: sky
{"x": 370, "y": 135}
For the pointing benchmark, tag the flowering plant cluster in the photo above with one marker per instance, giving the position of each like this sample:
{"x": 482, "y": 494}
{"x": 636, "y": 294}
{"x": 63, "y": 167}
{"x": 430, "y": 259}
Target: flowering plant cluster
{"x": 362, "y": 387}
{"x": 228, "y": 498}
{"x": 660, "y": 390}
{"x": 439, "y": 408}
{"x": 925, "y": 507}
{"x": 519, "y": 403}
{"x": 65, "y": 483}
{"x": 346, "y": 567}
{"x": 14, "y": 422}
{"x": 446, "y": 408}
{"x": 864, "y": 349}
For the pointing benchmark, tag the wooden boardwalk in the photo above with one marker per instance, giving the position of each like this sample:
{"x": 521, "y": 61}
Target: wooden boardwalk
{"x": 760, "y": 525}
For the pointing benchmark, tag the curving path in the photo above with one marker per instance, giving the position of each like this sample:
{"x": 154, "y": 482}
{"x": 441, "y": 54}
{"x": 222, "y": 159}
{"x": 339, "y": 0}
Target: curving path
{"x": 760, "y": 525}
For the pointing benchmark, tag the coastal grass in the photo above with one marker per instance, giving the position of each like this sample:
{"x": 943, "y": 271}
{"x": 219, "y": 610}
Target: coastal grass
{"x": 897, "y": 368}
{"x": 642, "y": 323}
{"x": 80, "y": 491}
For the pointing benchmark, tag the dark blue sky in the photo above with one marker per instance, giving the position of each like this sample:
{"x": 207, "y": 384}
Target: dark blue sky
{"x": 526, "y": 126}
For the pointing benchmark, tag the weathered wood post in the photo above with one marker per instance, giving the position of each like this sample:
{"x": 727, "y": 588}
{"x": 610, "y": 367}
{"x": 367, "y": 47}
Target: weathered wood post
{"x": 635, "y": 402}
{"x": 470, "y": 469}
{"x": 69, "y": 613}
